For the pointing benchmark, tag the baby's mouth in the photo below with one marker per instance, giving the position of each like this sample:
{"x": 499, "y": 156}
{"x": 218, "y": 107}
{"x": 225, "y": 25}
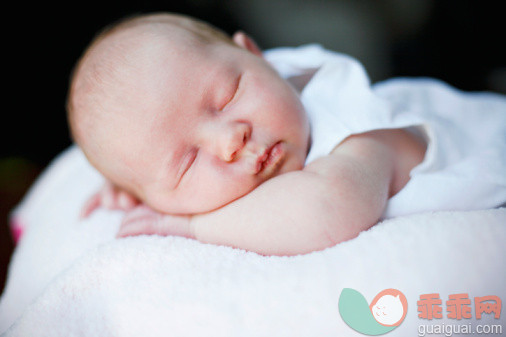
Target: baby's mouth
{"x": 270, "y": 159}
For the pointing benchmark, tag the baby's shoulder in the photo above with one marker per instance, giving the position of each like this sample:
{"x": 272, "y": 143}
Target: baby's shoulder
{"x": 400, "y": 147}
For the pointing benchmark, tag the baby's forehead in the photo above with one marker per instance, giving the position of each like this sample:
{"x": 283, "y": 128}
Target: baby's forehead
{"x": 121, "y": 53}
{"x": 116, "y": 63}
{"x": 147, "y": 35}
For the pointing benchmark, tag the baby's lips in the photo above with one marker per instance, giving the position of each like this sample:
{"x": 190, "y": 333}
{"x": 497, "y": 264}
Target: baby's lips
{"x": 271, "y": 156}
{"x": 260, "y": 162}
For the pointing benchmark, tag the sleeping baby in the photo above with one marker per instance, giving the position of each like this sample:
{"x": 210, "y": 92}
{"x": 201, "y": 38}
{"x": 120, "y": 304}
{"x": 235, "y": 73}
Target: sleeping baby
{"x": 281, "y": 153}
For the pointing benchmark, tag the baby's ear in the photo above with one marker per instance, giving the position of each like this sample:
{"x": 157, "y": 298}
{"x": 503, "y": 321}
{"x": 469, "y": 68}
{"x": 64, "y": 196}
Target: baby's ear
{"x": 244, "y": 41}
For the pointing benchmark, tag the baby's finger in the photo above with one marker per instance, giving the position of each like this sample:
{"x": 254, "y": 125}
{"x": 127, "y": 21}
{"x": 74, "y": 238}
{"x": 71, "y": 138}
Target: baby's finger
{"x": 140, "y": 220}
{"x": 126, "y": 201}
{"x": 138, "y": 227}
{"x": 148, "y": 226}
{"x": 139, "y": 212}
{"x": 91, "y": 205}
{"x": 144, "y": 220}
{"x": 109, "y": 196}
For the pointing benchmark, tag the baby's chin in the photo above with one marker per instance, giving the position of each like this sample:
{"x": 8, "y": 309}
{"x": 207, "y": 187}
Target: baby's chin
{"x": 196, "y": 204}
{"x": 214, "y": 200}
{"x": 205, "y": 203}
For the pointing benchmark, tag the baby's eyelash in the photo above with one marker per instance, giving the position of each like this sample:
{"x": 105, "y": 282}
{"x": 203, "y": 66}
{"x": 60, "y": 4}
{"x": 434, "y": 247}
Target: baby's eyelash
{"x": 187, "y": 162}
{"x": 237, "y": 83}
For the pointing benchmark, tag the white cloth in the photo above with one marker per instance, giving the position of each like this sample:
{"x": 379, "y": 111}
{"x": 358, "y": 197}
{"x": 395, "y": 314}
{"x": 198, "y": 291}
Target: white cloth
{"x": 70, "y": 277}
{"x": 465, "y": 163}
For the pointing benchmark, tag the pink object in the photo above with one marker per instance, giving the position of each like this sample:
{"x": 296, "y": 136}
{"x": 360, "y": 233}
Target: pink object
{"x": 17, "y": 229}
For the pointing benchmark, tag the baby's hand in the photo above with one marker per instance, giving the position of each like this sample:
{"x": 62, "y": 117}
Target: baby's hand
{"x": 144, "y": 220}
{"x": 109, "y": 197}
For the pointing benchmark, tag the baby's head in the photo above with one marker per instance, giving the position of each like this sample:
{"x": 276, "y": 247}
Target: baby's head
{"x": 182, "y": 116}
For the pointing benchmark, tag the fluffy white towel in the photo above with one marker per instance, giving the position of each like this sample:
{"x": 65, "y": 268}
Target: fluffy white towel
{"x": 72, "y": 278}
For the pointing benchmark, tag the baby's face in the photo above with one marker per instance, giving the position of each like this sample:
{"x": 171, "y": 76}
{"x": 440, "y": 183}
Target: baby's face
{"x": 202, "y": 127}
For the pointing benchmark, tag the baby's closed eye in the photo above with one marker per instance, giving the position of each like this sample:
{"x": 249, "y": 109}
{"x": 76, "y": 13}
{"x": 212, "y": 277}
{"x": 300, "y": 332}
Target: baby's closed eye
{"x": 186, "y": 163}
{"x": 230, "y": 93}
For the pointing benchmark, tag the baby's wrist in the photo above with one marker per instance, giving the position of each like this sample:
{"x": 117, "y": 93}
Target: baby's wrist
{"x": 193, "y": 224}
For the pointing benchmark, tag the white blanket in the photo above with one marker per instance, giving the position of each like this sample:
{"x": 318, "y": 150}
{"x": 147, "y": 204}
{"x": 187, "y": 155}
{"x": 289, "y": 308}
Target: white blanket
{"x": 72, "y": 278}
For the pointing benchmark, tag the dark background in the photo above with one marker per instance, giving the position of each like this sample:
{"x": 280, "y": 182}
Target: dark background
{"x": 460, "y": 42}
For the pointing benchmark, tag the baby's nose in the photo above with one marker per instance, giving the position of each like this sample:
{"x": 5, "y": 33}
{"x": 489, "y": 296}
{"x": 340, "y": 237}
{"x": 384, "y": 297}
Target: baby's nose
{"x": 232, "y": 140}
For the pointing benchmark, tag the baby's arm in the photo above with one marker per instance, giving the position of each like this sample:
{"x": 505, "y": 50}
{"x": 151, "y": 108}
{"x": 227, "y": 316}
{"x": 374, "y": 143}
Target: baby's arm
{"x": 331, "y": 200}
